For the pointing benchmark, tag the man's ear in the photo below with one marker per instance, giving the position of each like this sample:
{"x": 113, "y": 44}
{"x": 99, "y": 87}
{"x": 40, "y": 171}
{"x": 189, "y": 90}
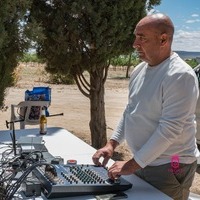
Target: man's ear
{"x": 163, "y": 39}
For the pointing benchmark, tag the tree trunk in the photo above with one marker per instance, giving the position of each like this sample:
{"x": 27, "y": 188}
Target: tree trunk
{"x": 129, "y": 66}
{"x": 97, "y": 108}
{"x": 127, "y": 71}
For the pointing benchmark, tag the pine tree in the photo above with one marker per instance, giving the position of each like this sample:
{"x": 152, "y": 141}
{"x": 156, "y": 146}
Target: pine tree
{"x": 12, "y": 42}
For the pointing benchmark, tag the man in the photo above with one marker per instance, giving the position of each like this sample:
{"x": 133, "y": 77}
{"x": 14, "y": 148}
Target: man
{"x": 159, "y": 121}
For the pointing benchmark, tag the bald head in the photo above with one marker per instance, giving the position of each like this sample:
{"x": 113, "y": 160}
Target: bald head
{"x": 160, "y": 23}
{"x": 153, "y": 38}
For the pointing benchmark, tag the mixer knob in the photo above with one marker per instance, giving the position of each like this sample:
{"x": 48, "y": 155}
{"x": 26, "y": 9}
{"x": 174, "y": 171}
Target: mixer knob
{"x": 117, "y": 181}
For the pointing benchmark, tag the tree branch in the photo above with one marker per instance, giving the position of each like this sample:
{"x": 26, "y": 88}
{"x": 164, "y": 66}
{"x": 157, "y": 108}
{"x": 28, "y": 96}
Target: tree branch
{"x": 106, "y": 72}
{"x": 85, "y": 81}
{"x": 78, "y": 80}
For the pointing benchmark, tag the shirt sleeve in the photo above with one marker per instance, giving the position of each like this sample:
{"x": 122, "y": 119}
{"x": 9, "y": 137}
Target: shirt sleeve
{"x": 118, "y": 135}
{"x": 180, "y": 94}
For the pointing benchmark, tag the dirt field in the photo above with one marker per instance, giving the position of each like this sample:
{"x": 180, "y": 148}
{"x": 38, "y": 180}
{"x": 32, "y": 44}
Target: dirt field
{"x": 75, "y": 106}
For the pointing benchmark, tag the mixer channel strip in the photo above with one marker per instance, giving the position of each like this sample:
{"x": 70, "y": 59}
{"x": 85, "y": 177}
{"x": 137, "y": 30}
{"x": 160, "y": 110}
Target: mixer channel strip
{"x": 73, "y": 180}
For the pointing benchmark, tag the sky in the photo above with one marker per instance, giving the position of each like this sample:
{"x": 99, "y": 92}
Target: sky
{"x": 185, "y": 14}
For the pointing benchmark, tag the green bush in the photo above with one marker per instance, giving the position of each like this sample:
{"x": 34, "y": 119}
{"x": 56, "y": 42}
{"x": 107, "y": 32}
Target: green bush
{"x": 125, "y": 60}
{"x": 192, "y": 62}
{"x": 31, "y": 57}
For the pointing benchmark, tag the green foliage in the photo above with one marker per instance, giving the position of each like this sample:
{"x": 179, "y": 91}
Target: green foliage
{"x": 82, "y": 35}
{"x": 125, "y": 60}
{"x": 192, "y": 62}
{"x": 12, "y": 40}
{"x": 31, "y": 57}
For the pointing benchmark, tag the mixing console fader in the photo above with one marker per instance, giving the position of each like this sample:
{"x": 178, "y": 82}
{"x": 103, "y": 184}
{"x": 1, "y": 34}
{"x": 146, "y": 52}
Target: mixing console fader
{"x": 73, "y": 180}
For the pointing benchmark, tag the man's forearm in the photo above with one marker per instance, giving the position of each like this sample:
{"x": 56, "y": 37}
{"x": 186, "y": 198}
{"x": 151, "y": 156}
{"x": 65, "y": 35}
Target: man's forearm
{"x": 112, "y": 144}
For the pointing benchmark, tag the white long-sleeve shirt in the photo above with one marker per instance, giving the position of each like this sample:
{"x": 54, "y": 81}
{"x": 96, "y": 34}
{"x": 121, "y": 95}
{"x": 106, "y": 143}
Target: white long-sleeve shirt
{"x": 159, "y": 119}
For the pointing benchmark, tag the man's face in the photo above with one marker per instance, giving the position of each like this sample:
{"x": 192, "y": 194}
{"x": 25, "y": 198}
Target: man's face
{"x": 147, "y": 43}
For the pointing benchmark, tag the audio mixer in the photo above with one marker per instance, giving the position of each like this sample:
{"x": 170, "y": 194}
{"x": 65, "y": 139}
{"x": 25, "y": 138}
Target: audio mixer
{"x": 72, "y": 180}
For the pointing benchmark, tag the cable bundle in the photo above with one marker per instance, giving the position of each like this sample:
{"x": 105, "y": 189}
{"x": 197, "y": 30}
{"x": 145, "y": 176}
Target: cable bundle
{"x": 11, "y": 166}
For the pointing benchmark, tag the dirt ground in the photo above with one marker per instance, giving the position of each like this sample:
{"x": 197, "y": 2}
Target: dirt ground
{"x": 76, "y": 107}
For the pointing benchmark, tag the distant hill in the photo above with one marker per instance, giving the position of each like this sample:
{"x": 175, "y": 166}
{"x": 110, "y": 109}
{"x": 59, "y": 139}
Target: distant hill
{"x": 188, "y": 54}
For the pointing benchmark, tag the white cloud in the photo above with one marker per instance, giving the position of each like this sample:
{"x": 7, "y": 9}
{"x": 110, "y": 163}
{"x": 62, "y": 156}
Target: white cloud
{"x": 192, "y": 21}
{"x": 186, "y": 41}
{"x": 195, "y": 15}
{"x": 185, "y": 27}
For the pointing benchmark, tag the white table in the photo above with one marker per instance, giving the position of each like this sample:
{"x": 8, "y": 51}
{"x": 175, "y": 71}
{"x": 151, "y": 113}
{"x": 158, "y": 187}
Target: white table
{"x": 60, "y": 142}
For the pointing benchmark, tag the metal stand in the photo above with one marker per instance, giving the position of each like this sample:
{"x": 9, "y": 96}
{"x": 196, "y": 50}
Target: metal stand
{"x": 13, "y": 135}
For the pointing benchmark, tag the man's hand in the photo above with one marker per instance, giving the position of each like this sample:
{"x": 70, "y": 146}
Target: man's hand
{"x": 105, "y": 152}
{"x": 122, "y": 168}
